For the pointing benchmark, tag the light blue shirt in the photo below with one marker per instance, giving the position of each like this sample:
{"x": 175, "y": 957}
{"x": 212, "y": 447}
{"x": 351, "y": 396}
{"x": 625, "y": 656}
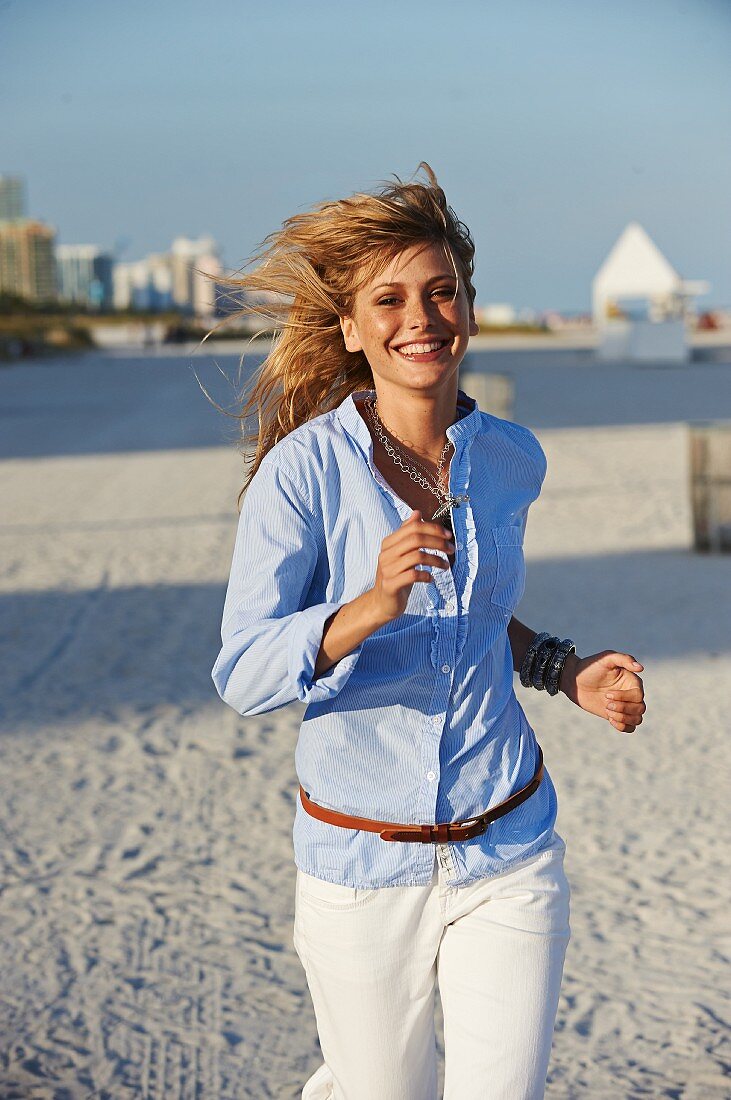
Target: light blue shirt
{"x": 420, "y": 722}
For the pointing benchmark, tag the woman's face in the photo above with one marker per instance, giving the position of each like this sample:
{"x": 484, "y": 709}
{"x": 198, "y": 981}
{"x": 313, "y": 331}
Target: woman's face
{"x": 408, "y": 321}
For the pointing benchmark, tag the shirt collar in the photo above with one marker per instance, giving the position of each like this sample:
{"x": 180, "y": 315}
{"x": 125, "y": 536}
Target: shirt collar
{"x": 464, "y": 429}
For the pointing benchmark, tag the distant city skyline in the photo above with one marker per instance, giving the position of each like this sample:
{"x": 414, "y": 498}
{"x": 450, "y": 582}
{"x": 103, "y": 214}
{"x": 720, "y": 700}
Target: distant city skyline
{"x": 551, "y": 127}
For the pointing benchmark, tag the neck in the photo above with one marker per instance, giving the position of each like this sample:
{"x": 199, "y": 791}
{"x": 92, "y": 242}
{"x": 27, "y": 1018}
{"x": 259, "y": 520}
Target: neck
{"x": 418, "y": 424}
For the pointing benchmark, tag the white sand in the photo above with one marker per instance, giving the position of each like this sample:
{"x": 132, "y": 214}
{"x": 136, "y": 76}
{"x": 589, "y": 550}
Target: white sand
{"x": 147, "y": 873}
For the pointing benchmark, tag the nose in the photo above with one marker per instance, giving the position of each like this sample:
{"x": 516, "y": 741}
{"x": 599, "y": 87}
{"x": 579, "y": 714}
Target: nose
{"x": 419, "y": 313}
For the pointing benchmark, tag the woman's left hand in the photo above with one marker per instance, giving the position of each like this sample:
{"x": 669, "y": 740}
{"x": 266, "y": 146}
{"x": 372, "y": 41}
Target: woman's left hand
{"x": 606, "y": 684}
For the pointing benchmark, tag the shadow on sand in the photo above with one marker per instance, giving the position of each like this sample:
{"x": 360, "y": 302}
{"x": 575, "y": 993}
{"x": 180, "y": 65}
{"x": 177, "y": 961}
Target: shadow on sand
{"x": 70, "y": 655}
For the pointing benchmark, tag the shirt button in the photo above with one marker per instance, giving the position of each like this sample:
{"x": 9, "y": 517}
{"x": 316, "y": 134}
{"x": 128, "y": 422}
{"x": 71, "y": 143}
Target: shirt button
{"x": 445, "y": 668}
{"x": 436, "y": 719}
{"x": 450, "y": 605}
{"x": 431, "y": 776}
{"x": 460, "y": 546}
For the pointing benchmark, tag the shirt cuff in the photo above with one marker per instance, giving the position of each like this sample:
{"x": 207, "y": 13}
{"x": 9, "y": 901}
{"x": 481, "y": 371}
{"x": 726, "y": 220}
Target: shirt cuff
{"x": 305, "y": 642}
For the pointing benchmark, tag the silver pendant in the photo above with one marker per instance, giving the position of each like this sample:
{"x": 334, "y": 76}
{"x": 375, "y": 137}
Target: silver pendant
{"x": 448, "y": 504}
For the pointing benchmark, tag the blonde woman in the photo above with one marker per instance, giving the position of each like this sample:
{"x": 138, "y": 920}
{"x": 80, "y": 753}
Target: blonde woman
{"x": 376, "y": 568}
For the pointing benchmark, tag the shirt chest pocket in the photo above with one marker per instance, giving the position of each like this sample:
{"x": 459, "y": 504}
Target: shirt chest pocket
{"x": 509, "y": 568}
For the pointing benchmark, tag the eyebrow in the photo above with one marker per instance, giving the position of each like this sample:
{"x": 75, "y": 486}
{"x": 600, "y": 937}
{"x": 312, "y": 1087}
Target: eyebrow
{"x": 434, "y": 278}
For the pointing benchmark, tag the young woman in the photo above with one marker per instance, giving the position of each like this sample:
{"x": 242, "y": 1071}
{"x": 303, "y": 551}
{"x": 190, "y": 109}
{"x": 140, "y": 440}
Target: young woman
{"x": 377, "y": 565}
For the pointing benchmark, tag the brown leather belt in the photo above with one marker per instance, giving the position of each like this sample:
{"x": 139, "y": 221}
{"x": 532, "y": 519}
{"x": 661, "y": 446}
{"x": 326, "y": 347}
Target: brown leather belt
{"x": 427, "y": 834}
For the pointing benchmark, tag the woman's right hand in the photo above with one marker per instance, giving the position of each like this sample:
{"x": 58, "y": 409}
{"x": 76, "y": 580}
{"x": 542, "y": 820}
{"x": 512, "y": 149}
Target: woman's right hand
{"x": 400, "y": 554}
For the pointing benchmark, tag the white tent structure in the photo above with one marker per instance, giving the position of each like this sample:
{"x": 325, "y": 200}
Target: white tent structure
{"x": 640, "y": 303}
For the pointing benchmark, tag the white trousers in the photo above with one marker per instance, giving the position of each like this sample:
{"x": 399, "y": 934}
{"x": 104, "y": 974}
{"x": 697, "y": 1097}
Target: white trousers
{"x": 372, "y": 956}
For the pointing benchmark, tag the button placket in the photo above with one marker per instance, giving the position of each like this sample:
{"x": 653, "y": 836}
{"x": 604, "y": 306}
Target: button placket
{"x": 467, "y": 574}
{"x": 445, "y": 626}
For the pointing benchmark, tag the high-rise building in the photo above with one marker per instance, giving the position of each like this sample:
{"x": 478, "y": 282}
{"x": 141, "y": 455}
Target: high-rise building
{"x": 188, "y": 256}
{"x": 182, "y": 279}
{"x": 144, "y": 284}
{"x": 12, "y": 197}
{"x": 27, "y": 261}
{"x": 84, "y": 275}
{"x": 205, "y": 287}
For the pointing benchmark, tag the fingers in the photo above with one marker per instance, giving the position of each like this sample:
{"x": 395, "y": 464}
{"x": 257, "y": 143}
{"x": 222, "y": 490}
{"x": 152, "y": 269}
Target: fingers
{"x": 619, "y": 706}
{"x": 405, "y": 549}
{"x": 622, "y": 727}
{"x": 625, "y": 695}
{"x": 411, "y": 536}
{"x": 395, "y": 562}
{"x": 433, "y": 560}
{"x": 626, "y": 726}
{"x": 628, "y": 717}
{"x": 425, "y": 540}
{"x": 414, "y": 526}
{"x": 625, "y": 715}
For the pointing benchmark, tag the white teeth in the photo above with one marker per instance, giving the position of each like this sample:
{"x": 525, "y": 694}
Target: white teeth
{"x": 421, "y": 349}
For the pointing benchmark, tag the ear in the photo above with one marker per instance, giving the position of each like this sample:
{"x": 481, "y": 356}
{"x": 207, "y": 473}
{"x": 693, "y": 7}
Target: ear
{"x": 474, "y": 327}
{"x": 350, "y": 334}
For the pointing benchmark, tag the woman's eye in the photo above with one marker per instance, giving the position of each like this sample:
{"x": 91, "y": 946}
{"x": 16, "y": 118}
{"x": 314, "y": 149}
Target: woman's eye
{"x": 445, "y": 291}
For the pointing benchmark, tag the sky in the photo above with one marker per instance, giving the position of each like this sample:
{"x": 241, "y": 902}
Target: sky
{"x": 550, "y": 124}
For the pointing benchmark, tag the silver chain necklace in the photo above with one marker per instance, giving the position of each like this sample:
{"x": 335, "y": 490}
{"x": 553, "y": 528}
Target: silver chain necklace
{"x": 448, "y": 501}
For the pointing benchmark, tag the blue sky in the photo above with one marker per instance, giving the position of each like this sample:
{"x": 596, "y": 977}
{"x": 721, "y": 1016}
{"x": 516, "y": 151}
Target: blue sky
{"x": 550, "y": 124}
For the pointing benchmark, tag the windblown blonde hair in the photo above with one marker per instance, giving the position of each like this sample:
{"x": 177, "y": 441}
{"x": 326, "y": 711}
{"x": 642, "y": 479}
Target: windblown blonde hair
{"x": 306, "y": 276}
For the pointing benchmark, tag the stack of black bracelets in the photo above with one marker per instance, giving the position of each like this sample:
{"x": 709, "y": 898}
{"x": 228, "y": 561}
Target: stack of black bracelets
{"x": 543, "y": 662}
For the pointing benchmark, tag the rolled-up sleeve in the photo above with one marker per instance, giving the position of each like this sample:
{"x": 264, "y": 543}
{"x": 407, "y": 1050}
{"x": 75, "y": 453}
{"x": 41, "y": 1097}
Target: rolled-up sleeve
{"x": 270, "y": 637}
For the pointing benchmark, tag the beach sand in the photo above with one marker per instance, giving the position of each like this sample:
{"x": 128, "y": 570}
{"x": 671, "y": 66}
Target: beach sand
{"x": 147, "y": 873}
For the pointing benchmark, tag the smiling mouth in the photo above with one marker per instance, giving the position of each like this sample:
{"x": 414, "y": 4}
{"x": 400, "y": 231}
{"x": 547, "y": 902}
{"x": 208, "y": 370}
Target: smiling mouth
{"x": 422, "y": 352}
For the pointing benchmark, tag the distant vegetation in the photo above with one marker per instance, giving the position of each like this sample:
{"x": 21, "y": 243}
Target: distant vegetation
{"x": 29, "y": 329}
{"x": 32, "y": 328}
{"x": 518, "y": 329}
{"x": 11, "y": 306}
